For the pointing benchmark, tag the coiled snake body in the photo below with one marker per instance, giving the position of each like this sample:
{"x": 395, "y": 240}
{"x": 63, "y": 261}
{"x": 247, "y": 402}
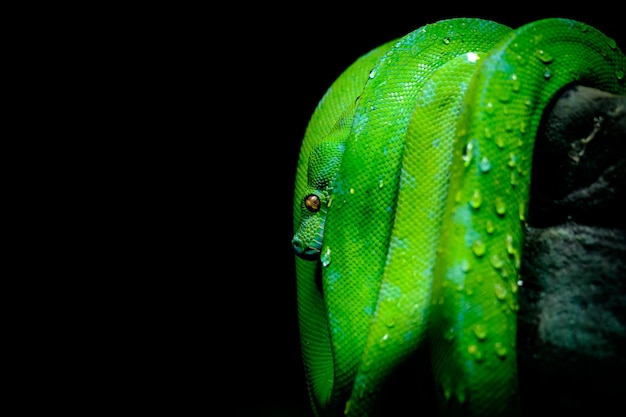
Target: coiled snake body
{"x": 411, "y": 195}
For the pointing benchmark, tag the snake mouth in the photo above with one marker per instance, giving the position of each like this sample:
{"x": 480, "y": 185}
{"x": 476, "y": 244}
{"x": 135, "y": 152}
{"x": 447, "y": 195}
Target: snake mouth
{"x": 303, "y": 251}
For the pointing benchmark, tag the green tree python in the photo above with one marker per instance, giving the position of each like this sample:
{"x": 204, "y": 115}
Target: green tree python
{"x": 410, "y": 203}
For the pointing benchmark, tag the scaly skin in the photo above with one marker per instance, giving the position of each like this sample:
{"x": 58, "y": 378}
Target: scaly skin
{"x": 420, "y": 155}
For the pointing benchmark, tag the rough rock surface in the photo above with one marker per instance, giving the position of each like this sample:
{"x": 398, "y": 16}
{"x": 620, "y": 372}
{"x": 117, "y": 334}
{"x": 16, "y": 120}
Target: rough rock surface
{"x": 572, "y": 323}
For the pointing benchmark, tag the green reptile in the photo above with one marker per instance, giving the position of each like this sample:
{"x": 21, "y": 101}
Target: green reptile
{"x": 410, "y": 203}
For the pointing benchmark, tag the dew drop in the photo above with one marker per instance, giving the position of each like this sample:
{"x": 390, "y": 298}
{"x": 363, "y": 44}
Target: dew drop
{"x": 543, "y": 56}
{"x": 472, "y": 57}
{"x": 446, "y": 41}
{"x": 467, "y": 153}
{"x": 496, "y": 262}
{"x": 504, "y": 273}
{"x": 500, "y": 206}
{"x": 372, "y": 73}
{"x": 479, "y": 248}
{"x": 476, "y": 199}
{"x": 485, "y": 165}
{"x": 547, "y": 74}
{"x": 381, "y": 183}
{"x": 500, "y": 350}
{"x": 512, "y": 160}
{"x": 325, "y": 258}
{"x": 480, "y": 331}
{"x": 489, "y": 226}
{"x": 351, "y": 190}
{"x": 489, "y": 108}
{"x": 510, "y": 248}
{"x": 619, "y": 74}
{"x": 500, "y": 142}
{"x": 383, "y": 340}
{"x": 515, "y": 83}
{"x": 477, "y": 354}
{"x": 500, "y": 291}
{"x": 465, "y": 265}
{"x": 522, "y": 127}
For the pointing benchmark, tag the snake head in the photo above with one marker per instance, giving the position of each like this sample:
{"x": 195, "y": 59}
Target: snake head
{"x": 307, "y": 241}
{"x": 323, "y": 165}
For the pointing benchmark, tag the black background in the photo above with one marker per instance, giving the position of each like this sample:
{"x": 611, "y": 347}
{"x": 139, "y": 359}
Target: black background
{"x": 266, "y": 74}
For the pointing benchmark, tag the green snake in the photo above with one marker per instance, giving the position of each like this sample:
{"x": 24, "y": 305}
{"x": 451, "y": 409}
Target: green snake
{"x": 410, "y": 205}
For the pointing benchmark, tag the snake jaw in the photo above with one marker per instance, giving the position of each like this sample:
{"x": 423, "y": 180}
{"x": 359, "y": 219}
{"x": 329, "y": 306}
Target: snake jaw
{"x": 309, "y": 247}
{"x": 304, "y": 251}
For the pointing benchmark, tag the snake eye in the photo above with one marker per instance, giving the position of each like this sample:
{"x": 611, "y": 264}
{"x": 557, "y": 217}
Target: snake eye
{"x": 312, "y": 203}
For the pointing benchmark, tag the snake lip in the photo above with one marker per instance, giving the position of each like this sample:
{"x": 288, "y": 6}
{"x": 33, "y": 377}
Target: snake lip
{"x": 305, "y": 252}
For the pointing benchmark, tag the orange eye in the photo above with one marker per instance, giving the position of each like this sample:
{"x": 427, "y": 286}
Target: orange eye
{"x": 312, "y": 203}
